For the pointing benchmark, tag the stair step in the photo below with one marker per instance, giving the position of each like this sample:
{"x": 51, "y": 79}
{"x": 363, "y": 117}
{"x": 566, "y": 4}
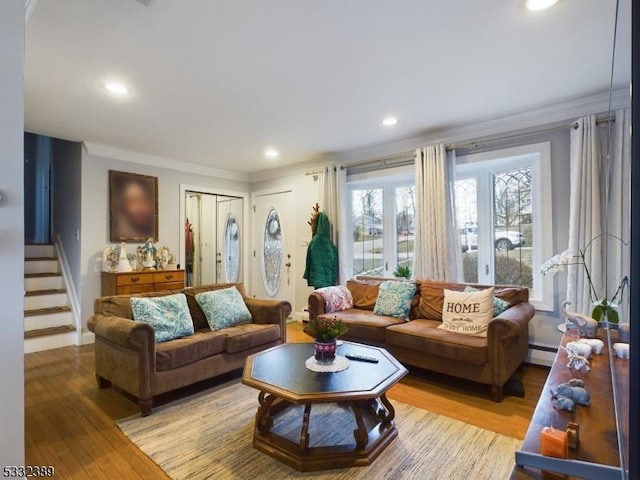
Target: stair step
{"x": 42, "y": 275}
{"x": 49, "y": 291}
{"x": 41, "y": 332}
{"x": 41, "y": 265}
{"x": 46, "y": 311}
{"x": 39, "y": 250}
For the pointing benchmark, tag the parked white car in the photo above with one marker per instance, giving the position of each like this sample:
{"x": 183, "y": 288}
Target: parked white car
{"x": 504, "y": 239}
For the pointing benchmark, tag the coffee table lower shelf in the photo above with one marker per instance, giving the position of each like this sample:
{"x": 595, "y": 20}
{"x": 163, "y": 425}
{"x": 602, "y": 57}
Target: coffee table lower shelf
{"x": 277, "y": 425}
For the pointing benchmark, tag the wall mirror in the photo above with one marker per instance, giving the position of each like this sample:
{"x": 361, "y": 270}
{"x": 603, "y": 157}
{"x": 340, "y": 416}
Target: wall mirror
{"x": 213, "y": 238}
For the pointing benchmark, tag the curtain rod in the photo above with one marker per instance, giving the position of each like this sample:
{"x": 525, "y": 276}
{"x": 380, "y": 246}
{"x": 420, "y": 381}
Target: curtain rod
{"x": 475, "y": 143}
{"x": 401, "y": 158}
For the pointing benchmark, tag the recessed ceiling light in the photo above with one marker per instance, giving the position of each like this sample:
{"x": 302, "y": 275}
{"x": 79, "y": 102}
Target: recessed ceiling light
{"x": 271, "y": 153}
{"x": 389, "y": 121}
{"x": 116, "y": 88}
{"x": 536, "y": 5}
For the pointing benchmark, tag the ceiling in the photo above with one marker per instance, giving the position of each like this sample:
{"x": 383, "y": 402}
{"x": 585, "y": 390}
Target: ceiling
{"x": 215, "y": 82}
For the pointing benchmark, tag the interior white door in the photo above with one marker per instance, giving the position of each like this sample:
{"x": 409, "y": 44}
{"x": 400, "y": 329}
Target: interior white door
{"x": 230, "y": 238}
{"x": 273, "y": 261}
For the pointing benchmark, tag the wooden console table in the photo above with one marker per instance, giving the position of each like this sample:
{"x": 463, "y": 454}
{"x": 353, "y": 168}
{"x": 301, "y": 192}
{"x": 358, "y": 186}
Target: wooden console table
{"x": 598, "y": 454}
{"x": 126, "y": 283}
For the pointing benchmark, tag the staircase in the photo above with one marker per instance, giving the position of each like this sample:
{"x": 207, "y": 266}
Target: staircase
{"x": 48, "y": 317}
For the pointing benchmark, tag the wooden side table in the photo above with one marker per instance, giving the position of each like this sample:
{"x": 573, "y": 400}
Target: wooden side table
{"x": 126, "y": 283}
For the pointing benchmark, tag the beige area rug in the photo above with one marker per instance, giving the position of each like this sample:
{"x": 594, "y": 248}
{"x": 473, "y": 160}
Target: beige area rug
{"x": 209, "y": 435}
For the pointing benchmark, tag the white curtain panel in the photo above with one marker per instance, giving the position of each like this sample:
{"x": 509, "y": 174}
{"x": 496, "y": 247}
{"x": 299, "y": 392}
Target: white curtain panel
{"x": 586, "y": 215}
{"x": 617, "y": 139}
{"x": 334, "y": 202}
{"x": 437, "y": 249}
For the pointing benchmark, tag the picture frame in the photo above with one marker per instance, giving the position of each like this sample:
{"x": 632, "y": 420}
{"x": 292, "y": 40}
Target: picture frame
{"x": 133, "y": 207}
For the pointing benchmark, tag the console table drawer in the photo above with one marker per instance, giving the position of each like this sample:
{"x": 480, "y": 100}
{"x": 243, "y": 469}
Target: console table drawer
{"x": 130, "y": 289}
{"x": 169, "y": 276}
{"x": 134, "y": 279}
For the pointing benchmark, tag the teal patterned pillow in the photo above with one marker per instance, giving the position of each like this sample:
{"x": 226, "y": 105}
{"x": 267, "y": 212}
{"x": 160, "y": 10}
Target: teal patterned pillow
{"x": 169, "y": 315}
{"x": 499, "y": 305}
{"x": 224, "y": 308}
{"x": 394, "y": 299}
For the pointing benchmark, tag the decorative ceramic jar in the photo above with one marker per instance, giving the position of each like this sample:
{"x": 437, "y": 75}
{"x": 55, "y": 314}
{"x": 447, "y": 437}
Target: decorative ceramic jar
{"x": 325, "y": 353}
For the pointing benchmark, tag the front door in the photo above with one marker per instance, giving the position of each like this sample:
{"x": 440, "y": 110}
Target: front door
{"x": 273, "y": 245}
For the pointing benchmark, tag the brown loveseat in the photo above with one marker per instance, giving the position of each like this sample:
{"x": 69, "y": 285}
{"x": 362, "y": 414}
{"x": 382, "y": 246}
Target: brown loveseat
{"x": 490, "y": 360}
{"x": 128, "y": 356}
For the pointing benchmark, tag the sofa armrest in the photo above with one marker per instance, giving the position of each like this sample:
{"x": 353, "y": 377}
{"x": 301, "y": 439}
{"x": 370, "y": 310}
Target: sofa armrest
{"x": 270, "y": 312}
{"x": 123, "y": 332}
{"x": 511, "y": 322}
{"x": 316, "y": 305}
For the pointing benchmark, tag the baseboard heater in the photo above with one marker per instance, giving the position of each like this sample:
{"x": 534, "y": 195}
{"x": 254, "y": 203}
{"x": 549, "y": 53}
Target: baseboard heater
{"x": 541, "y": 355}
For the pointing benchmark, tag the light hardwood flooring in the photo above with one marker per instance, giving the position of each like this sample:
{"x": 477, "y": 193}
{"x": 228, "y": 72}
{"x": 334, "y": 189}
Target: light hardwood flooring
{"x": 70, "y": 422}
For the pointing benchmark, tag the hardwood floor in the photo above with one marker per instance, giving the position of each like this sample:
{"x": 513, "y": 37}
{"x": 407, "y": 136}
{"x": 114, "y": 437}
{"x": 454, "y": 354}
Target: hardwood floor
{"x": 70, "y": 422}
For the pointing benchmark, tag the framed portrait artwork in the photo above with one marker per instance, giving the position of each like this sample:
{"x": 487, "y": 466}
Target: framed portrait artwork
{"x": 133, "y": 202}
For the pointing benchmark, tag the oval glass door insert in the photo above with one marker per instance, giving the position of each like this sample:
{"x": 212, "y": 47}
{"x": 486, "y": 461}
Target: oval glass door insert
{"x": 272, "y": 253}
{"x": 232, "y": 248}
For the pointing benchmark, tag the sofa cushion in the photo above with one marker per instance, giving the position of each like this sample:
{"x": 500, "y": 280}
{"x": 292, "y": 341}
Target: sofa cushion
{"x": 168, "y": 315}
{"x": 499, "y": 305}
{"x": 336, "y": 299}
{"x": 224, "y": 308}
{"x": 250, "y": 335}
{"x": 364, "y": 293}
{"x": 432, "y": 296}
{"x": 467, "y": 313}
{"x": 425, "y": 336}
{"x": 395, "y": 299}
{"x": 199, "y": 319}
{"x": 364, "y": 324}
{"x": 185, "y": 351}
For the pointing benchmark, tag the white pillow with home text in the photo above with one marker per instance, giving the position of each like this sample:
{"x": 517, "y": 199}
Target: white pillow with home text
{"x": 468, "y": 313}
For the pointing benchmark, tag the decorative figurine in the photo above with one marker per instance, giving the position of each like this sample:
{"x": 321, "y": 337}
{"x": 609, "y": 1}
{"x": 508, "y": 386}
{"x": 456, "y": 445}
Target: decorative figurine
{"x": 621, "y": 349}
{"x": 123, "y": 261}
{"x": 579, "y": 349}
{"x": 596, "y": 344}
{"x": 563, "y": 403}
{"x": 577, "y": 362}
{"x": 149, "y": 255}
{"x": 587, "y": 326}
{"x": 109, "y": 259}
{"x": 578, "y": 394}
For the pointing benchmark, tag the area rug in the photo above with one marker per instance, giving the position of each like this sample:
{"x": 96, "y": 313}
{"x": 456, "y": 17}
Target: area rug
{"x": 209, "y": 435}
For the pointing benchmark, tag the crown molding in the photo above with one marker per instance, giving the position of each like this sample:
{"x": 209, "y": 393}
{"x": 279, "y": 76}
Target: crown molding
{"x": 291, "y": 170}
{"x": 124, "y": 155}
{"x": 549, "y": 115}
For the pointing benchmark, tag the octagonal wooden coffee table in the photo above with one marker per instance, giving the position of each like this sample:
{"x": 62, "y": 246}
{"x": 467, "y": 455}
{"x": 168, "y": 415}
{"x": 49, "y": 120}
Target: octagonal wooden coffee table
{"x": 353, "y": 399}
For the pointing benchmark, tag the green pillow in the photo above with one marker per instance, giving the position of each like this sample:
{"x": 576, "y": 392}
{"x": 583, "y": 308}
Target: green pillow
{"x": 168, "y": 315}
{"x": 394, "y": 299}
{"x": 224, "y": 308}
{"x": 499, "y": 305}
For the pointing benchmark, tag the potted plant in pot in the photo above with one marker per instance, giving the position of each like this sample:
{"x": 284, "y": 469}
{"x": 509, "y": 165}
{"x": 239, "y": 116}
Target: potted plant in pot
{"x": 325, "y": 331}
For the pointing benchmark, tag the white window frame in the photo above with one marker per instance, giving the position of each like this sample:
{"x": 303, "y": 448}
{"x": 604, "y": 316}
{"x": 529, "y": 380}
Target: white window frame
{"x": 389, "y": 213}
{"x": 538, "y": 156}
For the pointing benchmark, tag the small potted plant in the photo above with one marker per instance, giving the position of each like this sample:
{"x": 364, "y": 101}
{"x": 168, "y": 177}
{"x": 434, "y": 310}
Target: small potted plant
{"x": 325, "y": 331}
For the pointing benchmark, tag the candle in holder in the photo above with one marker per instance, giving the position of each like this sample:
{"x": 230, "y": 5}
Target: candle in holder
{"x": 553, "y": 443}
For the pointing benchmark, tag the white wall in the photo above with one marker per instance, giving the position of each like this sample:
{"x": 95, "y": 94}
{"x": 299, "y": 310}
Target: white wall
{"x": 95, "y": 213}
{"x": 11, "y": 233}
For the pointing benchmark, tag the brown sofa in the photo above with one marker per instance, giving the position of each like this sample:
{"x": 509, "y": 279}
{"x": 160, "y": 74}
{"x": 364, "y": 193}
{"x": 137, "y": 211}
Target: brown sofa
{"x": 128, "y": 356}
{"x": 418, "y": 342}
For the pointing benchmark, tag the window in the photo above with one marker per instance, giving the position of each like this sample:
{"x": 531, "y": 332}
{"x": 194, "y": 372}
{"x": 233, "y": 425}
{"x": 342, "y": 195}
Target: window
{"x": 383, "y": 220}
{"x": 502, "y": 200}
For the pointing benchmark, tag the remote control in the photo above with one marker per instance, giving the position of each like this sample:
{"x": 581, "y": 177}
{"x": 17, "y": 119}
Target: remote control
{"x": 361, "y": 358}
